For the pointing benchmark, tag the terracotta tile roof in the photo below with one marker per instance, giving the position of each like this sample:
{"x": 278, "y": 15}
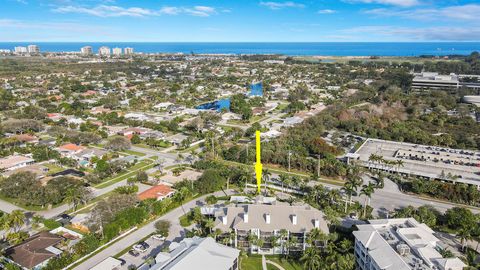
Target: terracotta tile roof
{"x": 25, "y": 138}
{"x": 33, "y": 251}
{"x": 71, "y": 147}
{"x": 156, "y": 192}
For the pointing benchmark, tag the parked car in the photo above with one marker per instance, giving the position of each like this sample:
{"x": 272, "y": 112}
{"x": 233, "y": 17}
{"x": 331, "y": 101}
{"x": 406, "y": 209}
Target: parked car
{"x": 144, "y": 244}
{"x": 133, "y": 252}
{"x": 158, "y": 237}
{"x": 140, "y": 248}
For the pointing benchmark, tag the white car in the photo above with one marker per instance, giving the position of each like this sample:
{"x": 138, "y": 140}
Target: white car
{"x": 158, "y": 237}
{"x": 139, "y": 248}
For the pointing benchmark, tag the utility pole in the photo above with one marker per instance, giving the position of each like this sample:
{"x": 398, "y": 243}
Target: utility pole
{"x": 213, "y": 148}
{"x": 289, "y": 154}
{"x": 318, "y": 166}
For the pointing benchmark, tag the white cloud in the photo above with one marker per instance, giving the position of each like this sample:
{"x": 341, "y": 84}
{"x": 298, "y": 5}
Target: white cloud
{"x": 400, "y": 3}
{"x": 116, "y": 11}
{"x": 280, "y": 5}
{"x": 326, "y": 11}
{"x": 69, "y": 26}
{"x": 463, "y": 12}
{"x": 170, "y": 10}
{"x": 439, "y": 33}
{"x": 201, "y": 11}
{"x": 106, "y": 11}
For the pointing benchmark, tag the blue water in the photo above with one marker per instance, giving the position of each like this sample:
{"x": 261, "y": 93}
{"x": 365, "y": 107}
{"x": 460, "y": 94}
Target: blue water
{"x": 217, "y": 105}
{"x": 256, "y": 89}
{"x": 305, "y": 48}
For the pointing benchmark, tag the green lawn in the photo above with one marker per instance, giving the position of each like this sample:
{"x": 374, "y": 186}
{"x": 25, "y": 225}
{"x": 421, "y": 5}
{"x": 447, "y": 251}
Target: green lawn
{"x": 288, "y": 265}
{"x": 53, "y": 168}
{"x": 131, "y": 172}
{"x": 251, "y": 262}
{"x": 254, "y": 262}
{"x": 135, "y": 153}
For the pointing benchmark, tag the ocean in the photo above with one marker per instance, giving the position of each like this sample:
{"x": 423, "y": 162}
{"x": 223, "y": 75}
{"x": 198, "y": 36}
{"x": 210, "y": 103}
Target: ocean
{"x": 292, "y": 49}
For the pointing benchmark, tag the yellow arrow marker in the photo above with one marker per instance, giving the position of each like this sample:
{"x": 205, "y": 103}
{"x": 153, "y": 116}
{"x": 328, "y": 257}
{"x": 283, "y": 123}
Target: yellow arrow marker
{"x": 258, "y": 164}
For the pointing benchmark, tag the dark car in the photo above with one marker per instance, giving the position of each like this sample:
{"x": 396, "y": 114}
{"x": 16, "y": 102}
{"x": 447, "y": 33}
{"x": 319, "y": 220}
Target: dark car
{"x": 133, "y": 252}
{"x": 144, "y": 244}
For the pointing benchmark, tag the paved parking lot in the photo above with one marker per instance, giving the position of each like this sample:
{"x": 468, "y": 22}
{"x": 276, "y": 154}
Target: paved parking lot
{"x": 155, "y": 247}
{"x": 427, "y": 168}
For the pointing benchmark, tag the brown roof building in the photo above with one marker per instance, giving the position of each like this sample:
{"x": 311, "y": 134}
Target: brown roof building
{"x": 35, "y": 251}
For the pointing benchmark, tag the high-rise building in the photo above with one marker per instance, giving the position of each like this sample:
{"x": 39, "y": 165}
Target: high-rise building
{"x": 128, "y": 51}
{"x": 117, "y": 51}
{"x": 87, "y": 50}
{"x": 33, "y": 49}
{"x": 20, "y": 49}
{"x": 104, "y": 51}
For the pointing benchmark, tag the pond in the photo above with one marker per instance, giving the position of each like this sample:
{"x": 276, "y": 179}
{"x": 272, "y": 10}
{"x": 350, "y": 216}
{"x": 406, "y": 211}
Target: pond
{"x": 217, "y": 105}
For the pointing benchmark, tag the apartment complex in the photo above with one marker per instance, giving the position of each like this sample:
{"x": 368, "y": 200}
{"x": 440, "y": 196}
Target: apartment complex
{"x": 196, "y": 253}
{"x": 117, "y": 51}
{"x": 87, "y": 50}
{"x": 128, "y": 51}
{"x": 104, "y": 51}
{"x": 33, "y": 49}
{"x": 400, "y": 244}
{"x": 272, "y": 224}
{"x": 20, "y": 49}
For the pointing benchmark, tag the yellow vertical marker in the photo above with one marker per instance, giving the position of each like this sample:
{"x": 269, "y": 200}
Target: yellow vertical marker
{"x": 258, "y": 164}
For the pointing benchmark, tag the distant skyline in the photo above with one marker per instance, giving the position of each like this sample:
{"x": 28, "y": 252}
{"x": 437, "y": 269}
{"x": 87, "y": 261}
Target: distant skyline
{"x": 239, "y": 21}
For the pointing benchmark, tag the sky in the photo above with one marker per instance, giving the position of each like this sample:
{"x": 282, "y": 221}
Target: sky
{"x": 239, "y": 20}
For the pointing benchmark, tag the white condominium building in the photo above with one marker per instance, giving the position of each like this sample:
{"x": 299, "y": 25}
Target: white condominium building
{"x": 33, "y": 49}
{"x": 400, "y": 244}
{"x": 128, "y": 51}
{"x": 87, "y": 50}
{"x": 269, "y": 222}
{"x": 104, "y": 51}
{"x": 20, "y": 49}
{"x": 117, "y": 51}
{"x": 196, "y": 253}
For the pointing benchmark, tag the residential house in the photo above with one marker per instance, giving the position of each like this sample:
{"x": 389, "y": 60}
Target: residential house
{"x": 70, "y": 150}
{"x": 36, "y": 251}
{"x": 39, "y": 170}
{"x": 158, "y": 192}
{"x": 14, "y": 162}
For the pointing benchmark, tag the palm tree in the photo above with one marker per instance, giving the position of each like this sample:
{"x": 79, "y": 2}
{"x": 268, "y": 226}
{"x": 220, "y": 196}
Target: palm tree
{"x": 472, "y": 259}
{"x": 464, "y": 234}
{"x": 246, "y": 176}
{"x": 367, "y": 190}
{"x": 283, "y": 233}
{"x": 15, "y": 220}
{"x": 181, "y": 195}
{"x": 290, "y": 243}
{"x": 350, "y": 188}
{"x": 400, "y": 163}
{"x": 311, "y": 260}
{"x": 283, "y": 178}
{"x": 266, "y": 174}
